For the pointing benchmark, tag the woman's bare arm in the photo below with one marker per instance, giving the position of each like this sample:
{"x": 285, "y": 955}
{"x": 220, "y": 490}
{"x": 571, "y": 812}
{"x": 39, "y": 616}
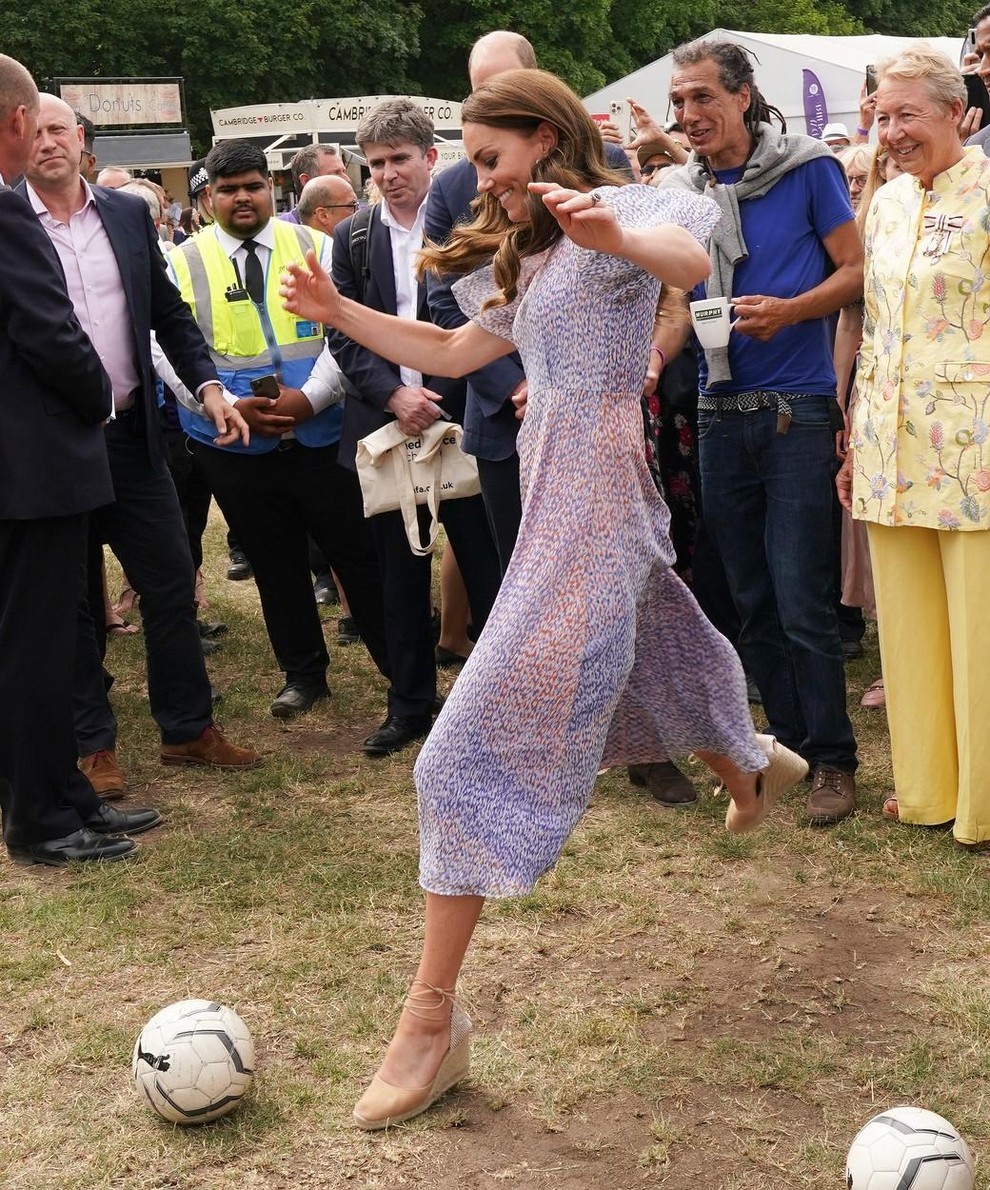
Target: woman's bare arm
{"x": 311, "y": 294}
{"x": 668, "y": 252}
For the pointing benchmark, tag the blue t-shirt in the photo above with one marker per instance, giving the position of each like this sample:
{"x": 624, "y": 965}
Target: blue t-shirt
{"x": 783, "y": 231}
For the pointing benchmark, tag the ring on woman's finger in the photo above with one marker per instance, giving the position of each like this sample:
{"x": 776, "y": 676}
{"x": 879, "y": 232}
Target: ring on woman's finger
{"x": 596, "y": 199}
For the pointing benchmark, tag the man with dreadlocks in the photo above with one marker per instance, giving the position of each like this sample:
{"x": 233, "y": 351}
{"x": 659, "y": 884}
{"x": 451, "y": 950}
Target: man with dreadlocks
{"x": 787, "y": 253}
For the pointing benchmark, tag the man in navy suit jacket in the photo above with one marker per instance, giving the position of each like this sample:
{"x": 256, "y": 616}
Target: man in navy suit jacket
{"x": 397, "y": 139}
{"x": 116, "y": 278}
{"x": 490, "y": 422}
{"x": 53, "y": 471}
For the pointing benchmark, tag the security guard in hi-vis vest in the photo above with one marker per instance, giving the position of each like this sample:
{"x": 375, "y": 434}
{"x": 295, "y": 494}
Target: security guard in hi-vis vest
{"x": 286, "y": 483}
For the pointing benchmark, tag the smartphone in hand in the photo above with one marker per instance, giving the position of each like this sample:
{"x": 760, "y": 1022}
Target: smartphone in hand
{"x": 977, "y": 96}
{"x": 265, "y": 386}
{"x": 620, "y": 114}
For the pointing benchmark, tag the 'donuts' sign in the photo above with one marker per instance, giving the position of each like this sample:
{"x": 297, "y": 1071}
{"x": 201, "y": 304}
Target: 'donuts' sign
{"x": 125, "y": 102}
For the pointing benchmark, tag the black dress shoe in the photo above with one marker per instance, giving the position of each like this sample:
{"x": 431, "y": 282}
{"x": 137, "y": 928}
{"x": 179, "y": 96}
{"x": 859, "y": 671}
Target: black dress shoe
{"x": 79, "y": 846}
{"x": 851, "y": 649}
{"x": 396, "y": 732}
{"x": 295, "y": 698}
{"x": 347, "y": 631}
{"x": 209, "y": 629}
{"x": 209, "y": 647}
{"x": 108, "y": 821}
{"x": 240, "y": 568}
{"x": 325, "y": 590}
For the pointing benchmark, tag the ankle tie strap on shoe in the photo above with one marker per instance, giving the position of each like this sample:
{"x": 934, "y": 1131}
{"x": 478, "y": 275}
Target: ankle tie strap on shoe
{"x": 430, "y": 1000}
{"x": 384, "y": 1104}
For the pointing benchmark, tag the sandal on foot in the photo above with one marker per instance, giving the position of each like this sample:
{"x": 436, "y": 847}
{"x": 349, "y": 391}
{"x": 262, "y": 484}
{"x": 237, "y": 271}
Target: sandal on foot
{"x": 121, "y": 628}
{"x": 784, "y": 771}
{"x": 891, "y": 810}
{"x": 874, "y": 697}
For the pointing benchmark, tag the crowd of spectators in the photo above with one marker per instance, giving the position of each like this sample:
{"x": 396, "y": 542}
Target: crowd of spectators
{"x": 743, "y": 442}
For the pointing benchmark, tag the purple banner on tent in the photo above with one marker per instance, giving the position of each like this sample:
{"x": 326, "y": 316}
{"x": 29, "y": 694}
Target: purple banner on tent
{"x": 815, "y": 107}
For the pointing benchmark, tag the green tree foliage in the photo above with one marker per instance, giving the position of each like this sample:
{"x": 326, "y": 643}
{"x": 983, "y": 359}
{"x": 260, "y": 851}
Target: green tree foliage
{"x": 261, "y": 51}
{"x": 257, "y": 51}
{"x": 909, "y": 18}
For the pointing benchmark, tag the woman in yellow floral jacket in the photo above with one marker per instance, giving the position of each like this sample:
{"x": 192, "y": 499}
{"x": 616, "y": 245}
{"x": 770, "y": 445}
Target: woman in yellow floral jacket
{"x": 918, "y": 469}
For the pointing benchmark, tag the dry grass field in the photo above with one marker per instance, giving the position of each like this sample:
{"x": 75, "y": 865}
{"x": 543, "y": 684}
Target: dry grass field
{"x": 673, "y": 1007}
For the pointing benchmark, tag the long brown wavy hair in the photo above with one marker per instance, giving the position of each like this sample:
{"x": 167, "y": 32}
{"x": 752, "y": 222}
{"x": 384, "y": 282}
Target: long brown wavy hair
{"x": 520, "y": 100}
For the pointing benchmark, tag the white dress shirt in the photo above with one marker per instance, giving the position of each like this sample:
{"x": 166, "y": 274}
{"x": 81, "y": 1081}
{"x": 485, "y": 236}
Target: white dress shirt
{"x": 234, "y": 248}
{"x": 325, "y": 385}
{"x": 406, "y": 245}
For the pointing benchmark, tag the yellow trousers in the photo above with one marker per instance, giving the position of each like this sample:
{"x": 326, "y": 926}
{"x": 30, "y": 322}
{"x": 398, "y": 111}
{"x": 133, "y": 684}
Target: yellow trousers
{"x": 932, "y": 589}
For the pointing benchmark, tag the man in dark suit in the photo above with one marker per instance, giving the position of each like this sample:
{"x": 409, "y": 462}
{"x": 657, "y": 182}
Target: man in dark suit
{"x": 53, "y": 471}
{"x": 397, "y": 140}
{"x": 490, "y": 422}
{"x": 116, "y": 279}
{"x": 495, "y": 391}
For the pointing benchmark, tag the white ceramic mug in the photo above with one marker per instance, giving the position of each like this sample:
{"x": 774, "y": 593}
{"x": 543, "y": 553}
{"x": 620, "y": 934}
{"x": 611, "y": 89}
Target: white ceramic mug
{"x": 712, "y": 323}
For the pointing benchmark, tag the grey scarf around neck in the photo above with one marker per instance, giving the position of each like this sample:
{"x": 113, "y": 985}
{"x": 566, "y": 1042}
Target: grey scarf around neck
{"x": 773, "y": 155}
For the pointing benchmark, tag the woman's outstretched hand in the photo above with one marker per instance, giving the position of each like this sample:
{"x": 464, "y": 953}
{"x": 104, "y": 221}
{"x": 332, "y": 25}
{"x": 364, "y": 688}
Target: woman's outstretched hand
{"x": 309, "y": 292}
{"x": 583, "y": 218}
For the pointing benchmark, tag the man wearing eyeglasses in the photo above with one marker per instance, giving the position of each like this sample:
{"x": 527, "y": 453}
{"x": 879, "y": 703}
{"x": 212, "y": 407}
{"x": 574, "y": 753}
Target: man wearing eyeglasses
{"x": 325, "y": 202}
{"x": 313, "y": 161}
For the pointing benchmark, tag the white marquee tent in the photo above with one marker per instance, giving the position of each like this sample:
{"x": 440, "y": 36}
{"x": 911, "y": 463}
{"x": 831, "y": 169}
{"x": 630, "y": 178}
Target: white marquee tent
{"x": 811, "y": 79}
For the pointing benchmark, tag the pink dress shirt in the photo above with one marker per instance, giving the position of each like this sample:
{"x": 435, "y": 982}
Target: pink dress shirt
{"x": 96, "y": 291}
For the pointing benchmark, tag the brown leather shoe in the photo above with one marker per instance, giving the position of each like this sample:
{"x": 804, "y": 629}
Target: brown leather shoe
{"x": 832, "y": 796}
{"x": 211, "y": 748}
{"x": 104, "y": 773}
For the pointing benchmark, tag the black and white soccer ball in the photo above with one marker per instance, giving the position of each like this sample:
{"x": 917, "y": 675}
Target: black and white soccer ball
{"x": 193, "y": 1061}
{"x": 909, "y": 1148}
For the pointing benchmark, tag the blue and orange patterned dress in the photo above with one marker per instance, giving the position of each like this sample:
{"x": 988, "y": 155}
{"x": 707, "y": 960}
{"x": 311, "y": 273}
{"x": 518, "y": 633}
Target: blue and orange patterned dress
{"x": 595, "y": 653}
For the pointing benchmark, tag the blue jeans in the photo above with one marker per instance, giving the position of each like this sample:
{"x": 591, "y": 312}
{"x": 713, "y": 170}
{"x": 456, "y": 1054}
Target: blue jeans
{"x": 767, "y": 501}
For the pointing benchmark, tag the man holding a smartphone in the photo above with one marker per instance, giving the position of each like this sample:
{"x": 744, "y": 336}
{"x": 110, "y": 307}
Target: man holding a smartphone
{"x": 285, "y": 485}
{"x": 976, "y": 66}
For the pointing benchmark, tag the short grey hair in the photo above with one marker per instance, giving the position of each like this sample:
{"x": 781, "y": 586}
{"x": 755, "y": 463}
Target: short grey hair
{"x": 307, "y": 161}
{"x": 922, "y": 62}
{"x": 108, "y": 170}
{"x": 17, "y": 88}
{"x": 143, "y": 190}
{"x": 853, "y": 156}
{"x": 395, "y": 122}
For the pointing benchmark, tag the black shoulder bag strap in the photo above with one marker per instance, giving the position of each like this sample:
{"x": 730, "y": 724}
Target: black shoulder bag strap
{"x": 358, "y": 247}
